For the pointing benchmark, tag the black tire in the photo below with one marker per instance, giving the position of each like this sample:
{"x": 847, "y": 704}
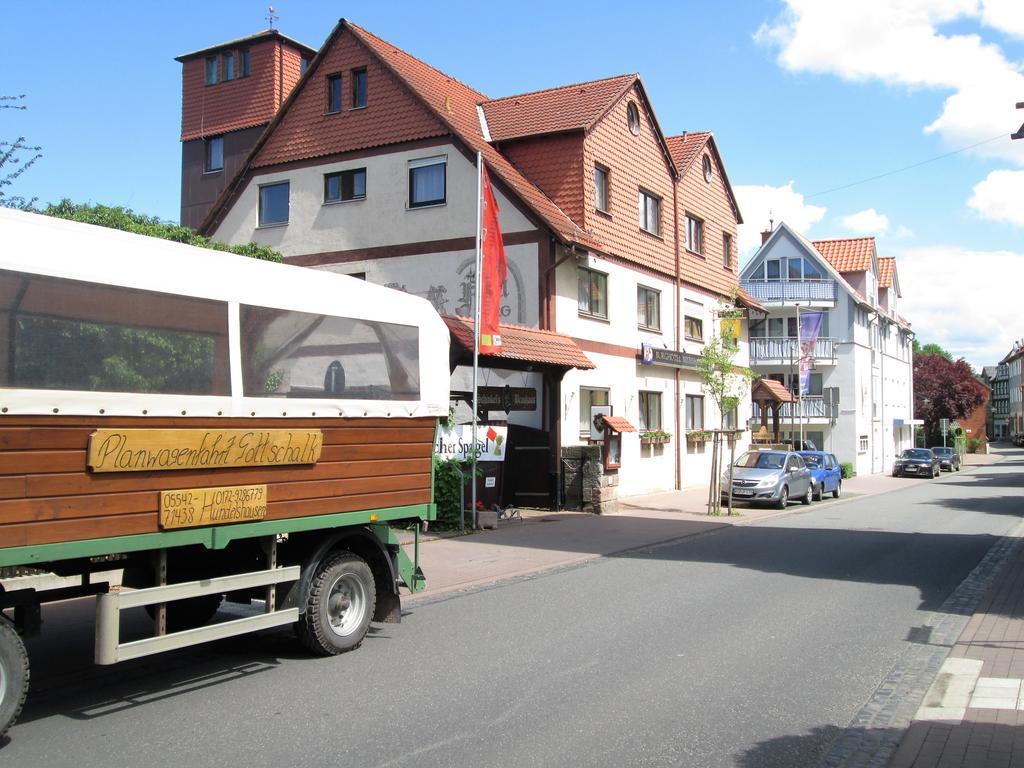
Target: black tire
{"x": 836, "y": 492}
{"x": 819, "y": 493}
{"x": 807, "y": 497}
{"x": 783, "y": 498}
{"x": 340, "y": 605}
{"x": 13, "y": 675}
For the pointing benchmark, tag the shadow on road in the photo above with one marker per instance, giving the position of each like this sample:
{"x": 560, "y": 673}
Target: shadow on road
{"x": 922, "y": 745}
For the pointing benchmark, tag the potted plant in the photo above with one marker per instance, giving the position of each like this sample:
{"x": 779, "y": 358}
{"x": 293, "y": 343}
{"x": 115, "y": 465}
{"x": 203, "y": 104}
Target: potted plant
{"x": 698, "y": 436}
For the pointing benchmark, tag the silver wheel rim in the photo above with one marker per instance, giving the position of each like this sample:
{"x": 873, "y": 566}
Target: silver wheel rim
{"x": 3, "y": 682}
{"x": 346, "y": 604}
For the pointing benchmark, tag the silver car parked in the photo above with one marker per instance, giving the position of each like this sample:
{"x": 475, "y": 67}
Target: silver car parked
{"x": 769, "y": 477}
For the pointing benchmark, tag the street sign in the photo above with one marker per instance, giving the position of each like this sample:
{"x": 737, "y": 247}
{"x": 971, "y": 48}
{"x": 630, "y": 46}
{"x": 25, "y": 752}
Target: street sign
{"x": 944, "y": 426}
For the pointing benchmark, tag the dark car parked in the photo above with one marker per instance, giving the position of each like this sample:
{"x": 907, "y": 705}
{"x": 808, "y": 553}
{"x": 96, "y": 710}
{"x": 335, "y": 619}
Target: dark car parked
{"x": 917, "y": 462}
{"x": 949, "y": 459}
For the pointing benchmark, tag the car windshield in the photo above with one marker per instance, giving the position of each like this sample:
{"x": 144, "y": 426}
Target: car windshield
{"x": 942, "y": 451}
{"x": 759, "y": 460}
{"x": 813, "y": 461}
{"x": 916, "y": 453}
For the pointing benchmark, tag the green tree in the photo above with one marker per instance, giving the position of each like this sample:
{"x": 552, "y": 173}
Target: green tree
{"x": 16, "y": 157}
{"x": 725, "y": 382}
{"x": 931, "y": 349}
{"x": 128, "y": 220}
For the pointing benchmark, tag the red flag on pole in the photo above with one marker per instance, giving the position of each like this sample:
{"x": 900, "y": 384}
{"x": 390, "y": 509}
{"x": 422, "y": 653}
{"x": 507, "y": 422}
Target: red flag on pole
{"x": 493, "y": 270}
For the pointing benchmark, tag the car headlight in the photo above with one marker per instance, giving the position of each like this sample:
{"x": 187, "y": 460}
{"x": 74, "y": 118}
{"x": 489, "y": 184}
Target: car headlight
{"x": 767, "y": 482}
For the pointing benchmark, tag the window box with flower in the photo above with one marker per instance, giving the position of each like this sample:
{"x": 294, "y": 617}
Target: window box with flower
{"x": 655, "y": 437}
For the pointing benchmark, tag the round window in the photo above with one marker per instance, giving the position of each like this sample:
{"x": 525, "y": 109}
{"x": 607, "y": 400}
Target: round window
{"x": 707, "y": 169}
{"x": 633, "y": 118}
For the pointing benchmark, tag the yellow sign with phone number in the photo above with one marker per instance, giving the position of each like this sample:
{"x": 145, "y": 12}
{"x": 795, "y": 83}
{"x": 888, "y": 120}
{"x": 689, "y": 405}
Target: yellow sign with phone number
{"x": 194, "y": 507}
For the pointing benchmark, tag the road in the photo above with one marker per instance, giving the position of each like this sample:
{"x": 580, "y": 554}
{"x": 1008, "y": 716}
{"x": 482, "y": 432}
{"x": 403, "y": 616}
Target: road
{"x": 746, "y": 646}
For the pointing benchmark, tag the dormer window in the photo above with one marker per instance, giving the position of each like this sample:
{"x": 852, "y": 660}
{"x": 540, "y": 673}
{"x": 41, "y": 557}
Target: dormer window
{"x": 358, "y": 88}
{"x": 211, "y": 70}
{"x": 303, "y": 66}
{"x": 633, "y": 118}
{"x": 229, "y": 66}
{"x": 246, "y": 63}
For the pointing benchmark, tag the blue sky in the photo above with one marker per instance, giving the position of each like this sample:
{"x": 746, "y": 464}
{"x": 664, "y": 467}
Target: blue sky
{"x": 793, "y": 94}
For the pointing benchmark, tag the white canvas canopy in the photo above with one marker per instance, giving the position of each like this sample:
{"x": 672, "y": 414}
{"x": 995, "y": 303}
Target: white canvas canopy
{"x": 403, "y": 334}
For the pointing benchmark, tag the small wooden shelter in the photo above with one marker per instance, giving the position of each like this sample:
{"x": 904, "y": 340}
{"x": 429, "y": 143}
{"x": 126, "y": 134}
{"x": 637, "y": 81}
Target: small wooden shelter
{"x": 769, "y": 394}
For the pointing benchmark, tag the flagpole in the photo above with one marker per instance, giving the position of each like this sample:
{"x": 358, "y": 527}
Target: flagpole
{"x": 477, "y": 292}
{"x": 800, "y": 377}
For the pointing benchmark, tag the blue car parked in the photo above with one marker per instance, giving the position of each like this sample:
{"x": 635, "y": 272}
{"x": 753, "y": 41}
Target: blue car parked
{"x": 826, "y": 476}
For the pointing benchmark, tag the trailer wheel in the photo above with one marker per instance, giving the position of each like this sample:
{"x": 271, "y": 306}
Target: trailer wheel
{"x": 340, "y": 604}
{"x": 13, "y": 675}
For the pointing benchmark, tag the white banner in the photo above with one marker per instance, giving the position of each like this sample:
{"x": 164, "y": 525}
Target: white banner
{"x": 492, "y": 443}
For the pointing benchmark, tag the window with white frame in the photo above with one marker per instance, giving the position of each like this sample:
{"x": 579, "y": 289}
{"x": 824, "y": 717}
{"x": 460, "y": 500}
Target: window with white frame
{"x": 731, "y": 419}
{"x": 862, "y": 445}
{"x": 590, "y": 396}
{"x": 601, "y": 178}
{"x": 694, "y": 234}
{"x": 648, "y": 308}
{"x": 593, "y": 293}
{"x": 427, "y": 181}
{"x": 650, "y": 411}
{"x": 274, "y": 204}
{"x": 650, "y": 213}
{"x": 695, "y": 412}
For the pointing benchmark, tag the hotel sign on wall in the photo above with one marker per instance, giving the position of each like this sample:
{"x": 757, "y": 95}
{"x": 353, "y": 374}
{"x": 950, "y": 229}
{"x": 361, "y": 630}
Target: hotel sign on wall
{"x": 651, "y": 355}
{"x": 146, "y": 450}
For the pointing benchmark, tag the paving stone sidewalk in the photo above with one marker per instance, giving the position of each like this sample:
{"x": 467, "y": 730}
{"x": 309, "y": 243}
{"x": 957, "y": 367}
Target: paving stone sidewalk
{"x": 990, "y": 733}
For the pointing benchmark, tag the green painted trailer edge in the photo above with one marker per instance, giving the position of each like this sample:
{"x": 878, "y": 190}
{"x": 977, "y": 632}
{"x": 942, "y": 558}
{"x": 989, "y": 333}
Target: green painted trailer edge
{"x": 212, "y": 537}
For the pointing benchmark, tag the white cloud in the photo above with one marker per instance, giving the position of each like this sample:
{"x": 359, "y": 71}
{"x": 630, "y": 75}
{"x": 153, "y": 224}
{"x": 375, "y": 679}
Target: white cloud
{"x": 867, "y": 222}
{"x": 1000, "y": 197}
{"x": 947, "y": 298}
{"x": 1004, "y": 15}
{"x": 760, "y": 202}
{"x": 899, "y": 42}
{"x": 903, "y": 232}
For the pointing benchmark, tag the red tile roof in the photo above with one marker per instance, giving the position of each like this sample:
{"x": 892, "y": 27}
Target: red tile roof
{"x": 886, "y": 270}
{"x": 527, "y": 344}
{"x": 776, "y": 390}
{"x": 554, "y": 110}
{"x": 455, "y": 103}
{"x": 748, "y": 301}
{"x": 851, "y": 254}
{"x": 618, "y": 424}
{"x": 686, "y": 147}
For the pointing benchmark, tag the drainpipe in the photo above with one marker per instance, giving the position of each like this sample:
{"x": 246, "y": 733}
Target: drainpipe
{"x": 679, "y": 426}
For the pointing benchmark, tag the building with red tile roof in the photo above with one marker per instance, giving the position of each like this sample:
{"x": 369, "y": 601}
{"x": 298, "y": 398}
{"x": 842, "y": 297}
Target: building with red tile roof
{"x": 858, "y": 389}
{"x": 617, "y": 238}
{"x": 230, "y": 93}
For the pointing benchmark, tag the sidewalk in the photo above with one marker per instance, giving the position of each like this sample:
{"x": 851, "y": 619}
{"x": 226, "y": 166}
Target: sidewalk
{"x": 975, "y": 710}
{"x": 543, "y": 541}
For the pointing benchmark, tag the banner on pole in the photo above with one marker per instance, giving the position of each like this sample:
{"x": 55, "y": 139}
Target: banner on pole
{"x": 810, "y": 327}
{"x": 493, "y": 270}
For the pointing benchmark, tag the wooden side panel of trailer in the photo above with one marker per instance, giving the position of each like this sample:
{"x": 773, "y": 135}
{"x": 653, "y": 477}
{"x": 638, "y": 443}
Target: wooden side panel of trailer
{"x": 48, "y": 494}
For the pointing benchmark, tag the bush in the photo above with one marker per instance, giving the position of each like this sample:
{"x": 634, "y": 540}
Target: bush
{"x": 973, "y": 444}
{"x": 128, "y": 220}
{"x": 447, "y": 488}
{"x": 846, "y": 470}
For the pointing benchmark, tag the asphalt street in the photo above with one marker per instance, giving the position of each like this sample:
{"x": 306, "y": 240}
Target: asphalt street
{"x": 746, "y": 646}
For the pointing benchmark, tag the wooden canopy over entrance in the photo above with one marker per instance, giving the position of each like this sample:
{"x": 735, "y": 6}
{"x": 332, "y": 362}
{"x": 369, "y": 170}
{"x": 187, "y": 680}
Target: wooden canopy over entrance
{"x": 769, "y": 394}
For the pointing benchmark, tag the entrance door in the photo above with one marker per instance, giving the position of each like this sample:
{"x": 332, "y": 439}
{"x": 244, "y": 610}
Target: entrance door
{"x": 528, "y": 480}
